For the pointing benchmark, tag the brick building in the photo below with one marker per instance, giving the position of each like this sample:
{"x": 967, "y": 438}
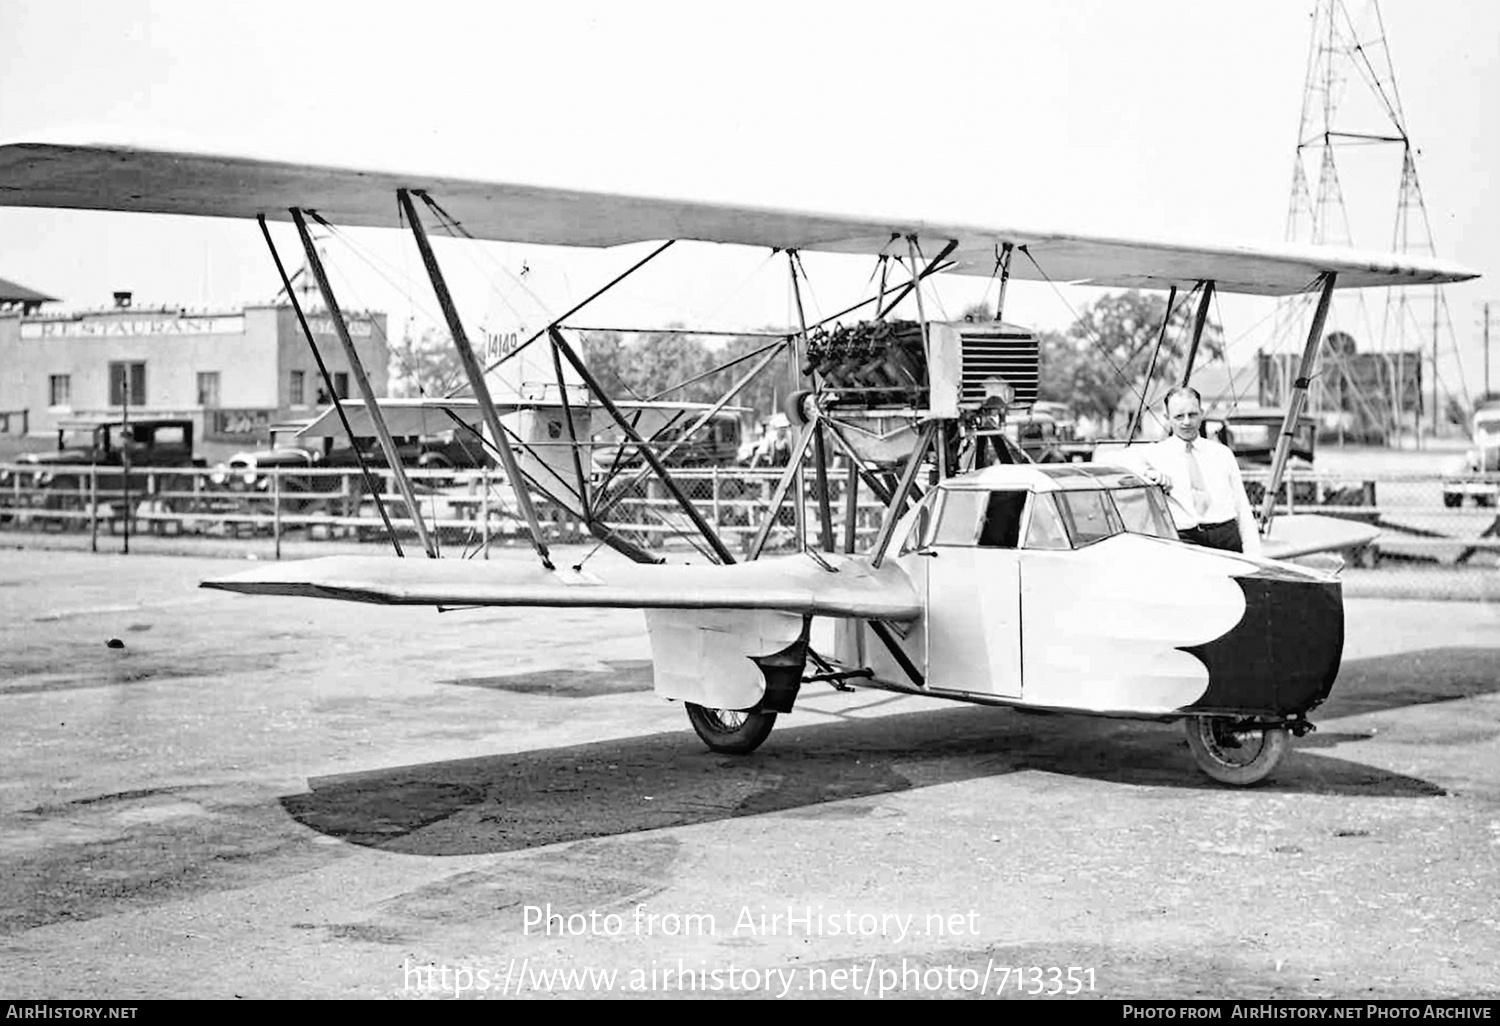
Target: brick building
{"x": 234, "y": 373}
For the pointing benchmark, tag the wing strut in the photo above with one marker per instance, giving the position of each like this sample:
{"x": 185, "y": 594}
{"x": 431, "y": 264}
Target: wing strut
{"x": 1161, "y": 336}
{"x": 1198, "y": 322}
{"x": 798, "y": 350}
{"x": 650, "y": 457}
{"x": 476, "y": 378}
{"x": 338, "y": 404}
{"x": 883, "y": 541}
{"x": 372, "y": 405}
{"x": 619, "y": 492}
{"x": 1299, "y": 398}
{"x": 1007, "y": 253}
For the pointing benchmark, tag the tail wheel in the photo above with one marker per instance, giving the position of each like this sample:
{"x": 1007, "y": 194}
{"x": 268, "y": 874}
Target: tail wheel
{"x": 731, "y": 731}
{"x": 1235, "y": 755}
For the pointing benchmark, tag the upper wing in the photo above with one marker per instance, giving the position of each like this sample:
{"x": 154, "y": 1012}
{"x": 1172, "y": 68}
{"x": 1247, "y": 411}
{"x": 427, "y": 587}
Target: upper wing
{"x": 792, "y": 584}
{"x": 115, "y": 177}
{"x": 1302, "y": 534}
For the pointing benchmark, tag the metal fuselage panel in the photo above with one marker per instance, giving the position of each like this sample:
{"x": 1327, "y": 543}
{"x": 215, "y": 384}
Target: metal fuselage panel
{"x": 973, "y": 618}
{"x": 1128, "y": 626}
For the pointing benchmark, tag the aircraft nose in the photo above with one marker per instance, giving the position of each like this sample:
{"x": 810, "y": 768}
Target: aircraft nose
{"x": 1283, "y": 655}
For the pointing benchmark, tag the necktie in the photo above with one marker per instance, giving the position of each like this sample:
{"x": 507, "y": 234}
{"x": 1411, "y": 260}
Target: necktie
{"x": 1200, "y": 486}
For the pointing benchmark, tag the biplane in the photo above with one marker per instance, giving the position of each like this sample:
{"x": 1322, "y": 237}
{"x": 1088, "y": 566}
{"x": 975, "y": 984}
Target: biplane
{"x": 990, "y": 580}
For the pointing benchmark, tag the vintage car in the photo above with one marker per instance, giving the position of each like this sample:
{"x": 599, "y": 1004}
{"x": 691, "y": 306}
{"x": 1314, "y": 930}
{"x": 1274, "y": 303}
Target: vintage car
{"x": 1048, "y": 433}
{"x": 1476, "y": 474}
{"x": 113, "y": 456}
{"x": 247, "y": 472}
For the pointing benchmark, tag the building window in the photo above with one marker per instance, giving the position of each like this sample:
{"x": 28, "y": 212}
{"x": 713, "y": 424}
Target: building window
{"x": 341, "y": 384}
{"x": 208, "y": 388}
{"x": 60, "y": 390}
{"x": 297, "y": 397}
{"x": 117, "y": 380}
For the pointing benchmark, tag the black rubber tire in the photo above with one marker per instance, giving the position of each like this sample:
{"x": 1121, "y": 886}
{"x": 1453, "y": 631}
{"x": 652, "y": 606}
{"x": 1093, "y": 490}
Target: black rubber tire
{"x": 728, "y": 731}
{"x": 1238, "y": 758}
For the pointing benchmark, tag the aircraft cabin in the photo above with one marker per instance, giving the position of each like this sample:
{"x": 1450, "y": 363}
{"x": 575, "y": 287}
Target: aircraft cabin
{"x": 1039, "y": 506}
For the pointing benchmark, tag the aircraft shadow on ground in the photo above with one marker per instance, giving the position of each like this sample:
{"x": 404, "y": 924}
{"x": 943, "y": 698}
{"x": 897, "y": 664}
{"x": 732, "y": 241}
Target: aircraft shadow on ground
{"x": 542, "y": 797}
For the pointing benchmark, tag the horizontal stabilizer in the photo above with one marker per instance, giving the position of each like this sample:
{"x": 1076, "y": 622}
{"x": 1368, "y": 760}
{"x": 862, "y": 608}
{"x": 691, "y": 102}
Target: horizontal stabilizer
{"x": 1302, "y": 534}
{"x": 791, "y": 584}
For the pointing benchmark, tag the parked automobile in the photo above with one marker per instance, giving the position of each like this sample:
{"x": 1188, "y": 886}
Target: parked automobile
{"x": 1048, "y": 433}
{"x": 1473, "y": 475}
{"x": 247, "y": 472}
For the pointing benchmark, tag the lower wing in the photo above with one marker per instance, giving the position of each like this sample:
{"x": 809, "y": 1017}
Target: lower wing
{"x": 847, "y": 586}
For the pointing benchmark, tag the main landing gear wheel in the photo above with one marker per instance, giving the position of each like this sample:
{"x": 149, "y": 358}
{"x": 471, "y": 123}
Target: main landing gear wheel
{"x": 731, "y": 731}
{"x": 1234, "y": 756}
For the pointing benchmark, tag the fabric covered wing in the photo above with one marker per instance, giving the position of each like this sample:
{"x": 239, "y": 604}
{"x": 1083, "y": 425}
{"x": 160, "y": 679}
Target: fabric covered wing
{"x": 128, "y": 178}
{"x": 790, "y": 584}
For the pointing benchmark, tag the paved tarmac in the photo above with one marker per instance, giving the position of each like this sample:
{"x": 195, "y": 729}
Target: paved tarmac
{"x": 259, "y": 797}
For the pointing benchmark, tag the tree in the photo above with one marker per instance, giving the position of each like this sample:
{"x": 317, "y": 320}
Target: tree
{"x": 766, "y": 391}
{"x": 605, "y": 356}
{"x": 1100, "y": 365}
{"x": 425, "y": 364}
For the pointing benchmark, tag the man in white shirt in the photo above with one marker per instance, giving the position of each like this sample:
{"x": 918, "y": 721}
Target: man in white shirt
{"x": 1201, "y": 479}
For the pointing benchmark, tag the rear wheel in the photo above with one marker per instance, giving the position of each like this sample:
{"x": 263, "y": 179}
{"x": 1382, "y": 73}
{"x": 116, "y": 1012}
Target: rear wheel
{"x": 1232, "y": 754}
{"x": 731, "y": 731}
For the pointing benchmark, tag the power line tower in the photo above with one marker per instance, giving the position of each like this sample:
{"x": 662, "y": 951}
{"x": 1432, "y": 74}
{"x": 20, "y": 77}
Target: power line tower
{"x": 1371, "y": 379}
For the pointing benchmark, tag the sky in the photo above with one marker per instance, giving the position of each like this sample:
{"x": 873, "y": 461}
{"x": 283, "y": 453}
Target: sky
{"x": 1173, "y": 118}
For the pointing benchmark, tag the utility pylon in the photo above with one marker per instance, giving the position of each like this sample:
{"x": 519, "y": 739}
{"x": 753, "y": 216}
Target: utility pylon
{"x": 1350, "y": 99}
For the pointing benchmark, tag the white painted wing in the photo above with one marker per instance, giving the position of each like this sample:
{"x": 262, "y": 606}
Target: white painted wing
{"x": 791, "y": 584}
{"x": 1302, "y": 534}
{"x": 128, "y": 178}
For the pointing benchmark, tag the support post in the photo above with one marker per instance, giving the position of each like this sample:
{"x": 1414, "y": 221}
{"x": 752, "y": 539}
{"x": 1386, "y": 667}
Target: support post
{"x": 795, "y": 350}
{"x": 484, "y": 510}
{"x": 1298, "y": 399}
{"x": 357, "y": 368}
{"x": 1161, "y": 336}
{"x": 1198, "y": 322}
{"x": 125, "y": 454}
{"x": 820, "y": 450}
{"x": 338, "y": 404}
{"x": 851, "y": 509}
{"x": 1007, "y": 251}
{"x": 276, "y": 509}
{"x": 820, "y": 468}
{"x": 903, "y": 488}
{"x": 793, "y": 472}
{"x": 93, "y": 507}
{"x": 562, "y": 394}
{"x": 475, "y": 375}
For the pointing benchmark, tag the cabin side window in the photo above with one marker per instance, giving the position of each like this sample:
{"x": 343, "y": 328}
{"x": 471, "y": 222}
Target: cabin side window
{"x": 959, "y": 517}
{"x": 1046, "y": 530}
{"x": 1090, "y": 516}
{"x": 1142, "y": 511}
{"x": 1001, "y": 527}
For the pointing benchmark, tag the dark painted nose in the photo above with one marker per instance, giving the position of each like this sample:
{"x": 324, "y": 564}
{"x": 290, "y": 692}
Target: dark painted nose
{"x": 1283, "y": 655}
